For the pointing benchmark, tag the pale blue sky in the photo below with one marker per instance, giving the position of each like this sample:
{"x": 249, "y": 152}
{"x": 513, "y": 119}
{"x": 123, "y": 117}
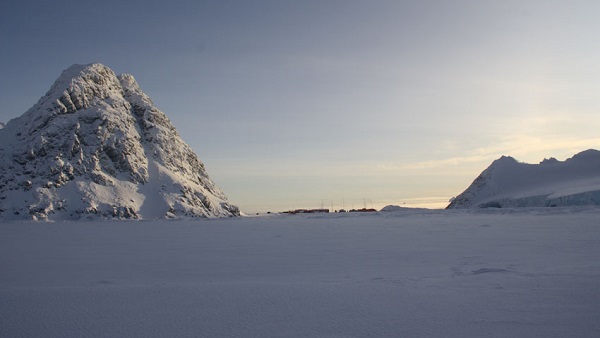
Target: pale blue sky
{"x": 291, "y": 103}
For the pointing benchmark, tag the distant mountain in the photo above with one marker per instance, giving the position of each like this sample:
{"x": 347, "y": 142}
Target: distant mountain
{"x": 395, "y": 208}
{"x": 509, "y": 183}
{"x": 2, "y": 125}
{"x": 95, "y": 146}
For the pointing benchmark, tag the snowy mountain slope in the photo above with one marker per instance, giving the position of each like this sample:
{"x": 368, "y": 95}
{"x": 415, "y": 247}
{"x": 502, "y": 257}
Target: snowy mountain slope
{"x": 95, "y": 146}
{"x": 508, "y": 183}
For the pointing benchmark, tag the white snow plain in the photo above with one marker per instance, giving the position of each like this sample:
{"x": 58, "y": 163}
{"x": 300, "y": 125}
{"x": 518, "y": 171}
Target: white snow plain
{"x": 409, "y": 273}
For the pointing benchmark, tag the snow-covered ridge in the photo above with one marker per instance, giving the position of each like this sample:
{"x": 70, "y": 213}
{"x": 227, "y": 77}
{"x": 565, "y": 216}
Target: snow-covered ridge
{"x": 95, "y": 146}
{"x": 509, "y": 183}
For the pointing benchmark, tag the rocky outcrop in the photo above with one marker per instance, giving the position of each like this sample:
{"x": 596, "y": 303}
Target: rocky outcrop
{"x": 96, "y": 146}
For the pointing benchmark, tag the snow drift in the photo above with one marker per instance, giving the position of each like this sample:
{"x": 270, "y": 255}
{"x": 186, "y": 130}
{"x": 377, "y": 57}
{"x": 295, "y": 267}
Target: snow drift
{"x": 95, "y": 146}
{"x": 509, "y": 183}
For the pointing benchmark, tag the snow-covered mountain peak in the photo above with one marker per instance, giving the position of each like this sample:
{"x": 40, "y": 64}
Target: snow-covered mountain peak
{"x": 96, "y": 144}
{"x": 509, "y": 183}
{"x": 586, "y": 155}
{"x": 79, "y": 87}
{"x": 549, "y": 161}
{"x": 505, "y": 161}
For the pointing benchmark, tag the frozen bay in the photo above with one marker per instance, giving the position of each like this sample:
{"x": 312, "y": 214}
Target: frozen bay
{"x": 411, "y": 273}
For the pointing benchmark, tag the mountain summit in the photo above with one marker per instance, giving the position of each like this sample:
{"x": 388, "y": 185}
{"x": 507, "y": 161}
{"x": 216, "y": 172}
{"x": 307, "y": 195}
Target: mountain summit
{"x": 95, "y": 146}
{"x": 509, "y": 183}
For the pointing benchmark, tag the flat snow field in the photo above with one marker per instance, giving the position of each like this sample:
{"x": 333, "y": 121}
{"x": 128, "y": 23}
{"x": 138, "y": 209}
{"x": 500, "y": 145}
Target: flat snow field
{"x": 445, "y": 273}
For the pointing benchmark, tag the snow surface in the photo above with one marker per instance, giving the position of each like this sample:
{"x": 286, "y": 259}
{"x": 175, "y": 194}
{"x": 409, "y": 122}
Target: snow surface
{"x": 527, "y": 272}
{"x": 509, "y": 183}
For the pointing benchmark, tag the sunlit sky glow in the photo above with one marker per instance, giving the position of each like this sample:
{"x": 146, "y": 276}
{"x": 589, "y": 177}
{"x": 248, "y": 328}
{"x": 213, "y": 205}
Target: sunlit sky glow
{"x": 293, "y": 104}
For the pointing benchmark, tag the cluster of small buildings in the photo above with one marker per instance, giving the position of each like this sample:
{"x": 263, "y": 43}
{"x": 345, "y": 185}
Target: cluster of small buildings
{"x": 313, "y": 211}
{"x": 306, "y": 211}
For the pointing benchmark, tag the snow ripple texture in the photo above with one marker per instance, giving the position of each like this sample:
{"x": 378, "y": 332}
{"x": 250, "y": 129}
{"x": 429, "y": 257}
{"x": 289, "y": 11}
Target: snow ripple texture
{"x": 95, "y": 146}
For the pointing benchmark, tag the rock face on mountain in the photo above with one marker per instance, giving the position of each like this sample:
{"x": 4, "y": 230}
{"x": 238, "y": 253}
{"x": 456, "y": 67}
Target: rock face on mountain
{"x": 96, "y": 147}
{"x": 509, "y": 183}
